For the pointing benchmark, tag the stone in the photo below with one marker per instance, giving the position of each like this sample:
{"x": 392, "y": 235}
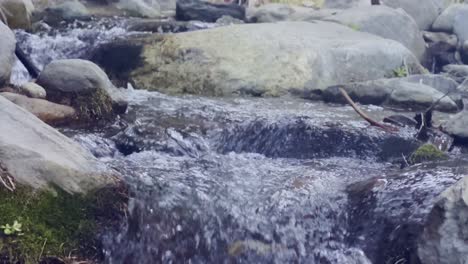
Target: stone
{"x": 457, "y": 126}
{"x": 392, "y": 92}
{"x": 345, "y": 4}
{"x": 441, "y": 47}
{"x": 446, "y": 20}
{"x": 385, "y": 22}
{"x": 7, "y": 53}
{"x": 457, "y": 72}
{"x": 460, "y": 23}
{"x": 67, "y": 11}
{"x": 237, "y": 59}
{"x": 148, "y": 9}
{"x": 50, "y": 113}
{"x": 445, "y": 237}
{"x": 441, "y": 83}
{"x": 17, "y": 13}
{"x": 82, "y": 85}
{"x": 33, "y": 90}
{"x": 207, "y": 12}
{"x": 382, "y": 21}
{"x": 283, "y": 12}
{"x": 38, "y": 156}
{"x": 424, "y": 12}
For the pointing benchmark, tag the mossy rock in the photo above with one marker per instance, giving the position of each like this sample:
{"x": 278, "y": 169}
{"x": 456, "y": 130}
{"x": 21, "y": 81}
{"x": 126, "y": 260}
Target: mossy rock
{"x": 56, "y": 224}
{"x": 426, "y": 152}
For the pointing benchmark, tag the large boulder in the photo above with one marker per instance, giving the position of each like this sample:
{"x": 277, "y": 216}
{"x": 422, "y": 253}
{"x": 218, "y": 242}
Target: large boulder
{"x": 36, "y": 155}
{"x": 445, "y": 236}
{"x": 460, "y": 25}
{"x": 343, "y": 4}
{"x": 382, "y": 21}
{"x": 18, "y": 13}
{"x": 424, "y": 12}
{"x": 392, "y": 92}
{"x": 50, "y": 113}
{"x": 204, "y": 11}
{"x": 385, "y": 22}
{"x": 7, "y": 53}
{"x": 237, "y": 59}
{"x": 82, "y": 85}
{"x": 446, "y": 20}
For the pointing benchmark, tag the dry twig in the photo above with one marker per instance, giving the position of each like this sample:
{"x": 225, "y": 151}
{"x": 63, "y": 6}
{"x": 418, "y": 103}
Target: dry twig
{"x": 372, "y": 122}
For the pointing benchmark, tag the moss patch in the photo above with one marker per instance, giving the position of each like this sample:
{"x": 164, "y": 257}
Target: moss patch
{"x": 426, "y": 152}
{"x": 92, "y": 107}
{"x": 55, "y": 223}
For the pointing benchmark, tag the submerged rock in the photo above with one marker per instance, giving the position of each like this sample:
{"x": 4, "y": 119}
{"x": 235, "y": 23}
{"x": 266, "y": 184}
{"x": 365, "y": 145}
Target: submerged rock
{"x": 36, "y": 155}
{"x": 7, "y": 53}
{"x": 444, "y": 240}
{"x": 82, "y": 85}
{"x": 50, "y": 113}
{"x": 236, "y": 59}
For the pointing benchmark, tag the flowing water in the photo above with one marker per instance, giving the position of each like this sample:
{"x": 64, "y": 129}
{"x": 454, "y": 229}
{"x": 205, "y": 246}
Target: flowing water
{"x": 253, "y": 180}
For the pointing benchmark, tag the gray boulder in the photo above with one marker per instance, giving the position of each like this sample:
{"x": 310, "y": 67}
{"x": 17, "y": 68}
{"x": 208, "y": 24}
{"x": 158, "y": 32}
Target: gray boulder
{"x": 443, "y": 84}
{"x": 446, "y": 20}
{"x": 344, "y": 4}
{"x": 460, "y": 25}
{"x": 385, "y": 22}
{"x": 392, "y": 92}
{"x": 36, "y": 155}
{"x": 17, "y": 13}
{"x": 82, "y": 85}
{"x": 424, "y": 12}
{"x": 445, "y": 236}
{"x": 237, "y": 59}
{"x": 7, "y": 53}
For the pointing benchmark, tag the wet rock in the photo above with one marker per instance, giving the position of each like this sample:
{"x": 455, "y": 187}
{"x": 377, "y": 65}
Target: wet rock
{"x": 445, "y": 22}
{"x": 444, "y": 240}
{"x": 399, "y": 26}
{"x": 392, "y": 92}
{"x": 457, "y": 126}
{"x": 50, "y": 113}
{"x": 457, "y": 72}
{"x": 52, "y": 158}
{"x": 67, "y": 11}
{"x": 424, "y": 13}
{"x": 400, "y": 120}
{"x": 7, "y": 53}
{"x": 158, "y": 25}
{"x": 18, "y": 13}
{"x": 82, "y": 85}
{"x": 235, "y": 59}
{"x": 204, "y": 11}
{"x": 33, "y": 90}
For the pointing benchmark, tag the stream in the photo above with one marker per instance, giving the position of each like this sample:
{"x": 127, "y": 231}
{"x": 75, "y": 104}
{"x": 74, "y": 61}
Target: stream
{"x": 252, "y": 180}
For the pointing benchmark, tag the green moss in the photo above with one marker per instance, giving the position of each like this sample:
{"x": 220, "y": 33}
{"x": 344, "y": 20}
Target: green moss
{"x": 427, "y": 152}
{"x": 96, "y": 106}
{"x": 55, "y": 223}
